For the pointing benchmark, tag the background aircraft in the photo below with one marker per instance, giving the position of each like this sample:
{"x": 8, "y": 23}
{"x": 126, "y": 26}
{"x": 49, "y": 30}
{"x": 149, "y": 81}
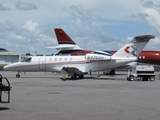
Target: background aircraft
{"x": 146, "y": 56}
{"x": 77, "y": 66}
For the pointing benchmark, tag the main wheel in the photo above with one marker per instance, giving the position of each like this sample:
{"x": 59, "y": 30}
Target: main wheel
{"x": 112, "y": 72}
{"x": 74, "y": 76}
{"x": 81, "y": 76}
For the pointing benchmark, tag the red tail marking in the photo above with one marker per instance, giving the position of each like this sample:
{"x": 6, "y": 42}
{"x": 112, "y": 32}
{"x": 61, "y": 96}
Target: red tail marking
{"x": 62, "y": 36}
{"x": 126, "y": 49}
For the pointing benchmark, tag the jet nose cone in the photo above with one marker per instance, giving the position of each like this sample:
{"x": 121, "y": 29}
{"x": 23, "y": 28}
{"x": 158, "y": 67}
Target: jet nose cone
{"x": 11, "y": 67}
{"x": 8, "y": 67}
{"x": 5, "y": 67}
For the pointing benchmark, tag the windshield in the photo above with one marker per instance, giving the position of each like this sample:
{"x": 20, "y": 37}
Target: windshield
{"x": 27, "y": 59}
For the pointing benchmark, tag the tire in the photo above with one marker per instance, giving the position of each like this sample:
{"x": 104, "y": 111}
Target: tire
{"x": 131, "y": 78}
{"x": 17, "y": 75}
{"x": 81, "y": 76}
{"x": 141, "y": 79}
{"x": 74, "y": 76}
{"x": 112, "y": 72}
{"x": 151, "y": 78}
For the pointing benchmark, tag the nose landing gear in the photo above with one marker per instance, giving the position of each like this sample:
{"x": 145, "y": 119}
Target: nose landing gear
{"x": 17, "y": 75}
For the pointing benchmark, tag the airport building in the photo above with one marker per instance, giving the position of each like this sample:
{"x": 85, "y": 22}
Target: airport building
{"x": 7, "y": 57}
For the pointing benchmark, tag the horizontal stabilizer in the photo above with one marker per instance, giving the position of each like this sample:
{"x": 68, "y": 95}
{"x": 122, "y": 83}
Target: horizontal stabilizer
{"x": 61, "y": 47}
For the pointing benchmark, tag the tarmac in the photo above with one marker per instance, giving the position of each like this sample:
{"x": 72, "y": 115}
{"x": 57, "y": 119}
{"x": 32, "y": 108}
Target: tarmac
{"x": 44, "y": 96}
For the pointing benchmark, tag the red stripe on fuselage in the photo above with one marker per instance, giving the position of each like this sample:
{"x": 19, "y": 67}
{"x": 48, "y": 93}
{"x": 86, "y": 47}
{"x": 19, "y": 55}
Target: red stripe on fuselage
{"x": 63, "y": 63}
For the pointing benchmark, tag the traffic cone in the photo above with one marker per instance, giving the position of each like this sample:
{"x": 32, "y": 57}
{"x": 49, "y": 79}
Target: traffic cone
{"x": 64, "y": 77}
{"x": 98, "y": 74}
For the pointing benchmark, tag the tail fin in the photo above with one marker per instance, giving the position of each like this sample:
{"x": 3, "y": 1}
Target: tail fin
{"x": 133, "y": 48}
{"x": 66, "y": 44}
{"x": 62, "y": 37}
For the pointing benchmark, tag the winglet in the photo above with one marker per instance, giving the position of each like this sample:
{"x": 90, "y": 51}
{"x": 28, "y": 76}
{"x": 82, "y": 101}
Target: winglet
{"x": 62, "y": 37}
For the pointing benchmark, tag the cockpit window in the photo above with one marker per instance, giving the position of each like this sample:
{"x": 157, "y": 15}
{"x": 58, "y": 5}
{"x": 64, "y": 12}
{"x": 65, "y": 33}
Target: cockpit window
{"x": 27, "y": 59}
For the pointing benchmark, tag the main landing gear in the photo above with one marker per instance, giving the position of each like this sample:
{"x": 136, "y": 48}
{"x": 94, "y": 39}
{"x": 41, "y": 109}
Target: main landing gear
{"x": 75, "y": 76}
{"x": 111, "y": 72}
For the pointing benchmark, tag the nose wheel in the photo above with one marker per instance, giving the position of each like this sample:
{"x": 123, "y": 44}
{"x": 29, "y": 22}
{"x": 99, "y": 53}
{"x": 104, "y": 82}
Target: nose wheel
{"x": 17, "y": 75}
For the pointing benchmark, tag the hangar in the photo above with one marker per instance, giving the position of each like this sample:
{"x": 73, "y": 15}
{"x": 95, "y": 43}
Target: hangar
{"x": 7, "y": 57}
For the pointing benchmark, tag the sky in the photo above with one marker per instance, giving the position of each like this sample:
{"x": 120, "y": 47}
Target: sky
{"x": 27, "y": 26}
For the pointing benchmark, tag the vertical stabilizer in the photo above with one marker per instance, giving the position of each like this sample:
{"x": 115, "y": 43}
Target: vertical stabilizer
{"x": 62, "y": 37}
{"x": 66, "y": 44}
{"x": 133, "y": 48}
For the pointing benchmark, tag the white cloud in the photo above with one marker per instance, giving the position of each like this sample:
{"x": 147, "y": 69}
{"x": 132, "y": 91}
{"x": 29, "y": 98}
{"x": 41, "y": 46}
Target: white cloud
{"x": 150, "y": 13}
{"x": 89, "y": 24}
{"x": 30, "y": 26}
{"x": 152, "y": 17}
{"x": 78, "y": 21}
{"x": 18, "y": 38}
{"x": 36, "y": 33}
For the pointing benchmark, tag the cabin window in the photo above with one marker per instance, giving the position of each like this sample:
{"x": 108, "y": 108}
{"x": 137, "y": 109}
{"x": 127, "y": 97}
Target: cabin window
{"x": 60, "y": 59}
{"x": 50, "y": 59}
{"x": 65, "y": 59}
{"x": 55, "y": 59}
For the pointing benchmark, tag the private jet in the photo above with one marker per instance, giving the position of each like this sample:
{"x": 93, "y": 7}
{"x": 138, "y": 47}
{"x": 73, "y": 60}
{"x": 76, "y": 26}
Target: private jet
{"x": 78, "y": 66}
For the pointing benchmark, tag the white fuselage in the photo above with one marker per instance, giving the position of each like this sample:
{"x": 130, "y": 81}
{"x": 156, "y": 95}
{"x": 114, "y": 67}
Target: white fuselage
{"x": 86, "y": 63}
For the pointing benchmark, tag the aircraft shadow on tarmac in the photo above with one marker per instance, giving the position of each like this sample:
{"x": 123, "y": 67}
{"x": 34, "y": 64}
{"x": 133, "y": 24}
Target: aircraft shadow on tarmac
{"x": 117, "y": 76}
{"x": 94, "y": 77}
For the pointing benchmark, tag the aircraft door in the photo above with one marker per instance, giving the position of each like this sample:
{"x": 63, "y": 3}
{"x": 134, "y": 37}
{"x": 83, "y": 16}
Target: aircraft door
{"x": 42, "y": 63}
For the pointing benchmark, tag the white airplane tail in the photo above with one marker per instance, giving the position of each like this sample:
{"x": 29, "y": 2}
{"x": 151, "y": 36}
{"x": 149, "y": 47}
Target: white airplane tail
{"x": 133, "y": 48}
